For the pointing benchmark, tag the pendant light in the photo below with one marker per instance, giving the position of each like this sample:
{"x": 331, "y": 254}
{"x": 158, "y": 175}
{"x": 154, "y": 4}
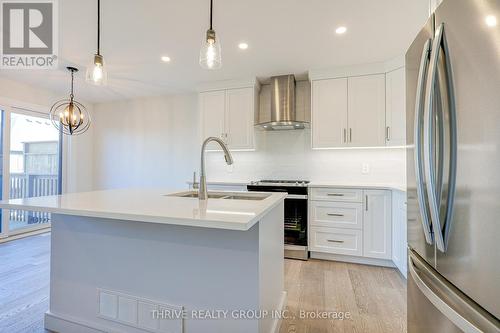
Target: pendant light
{"x": 210, "y": 53}
{"x": 69, "y": 116}
{"x": 96, "y": 71}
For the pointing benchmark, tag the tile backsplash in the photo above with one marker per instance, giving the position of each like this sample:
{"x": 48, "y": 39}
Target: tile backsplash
{"x": 288, "y": 155}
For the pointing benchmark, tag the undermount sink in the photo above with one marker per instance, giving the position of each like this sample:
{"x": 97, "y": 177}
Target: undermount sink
{"x": 222, "y": 195}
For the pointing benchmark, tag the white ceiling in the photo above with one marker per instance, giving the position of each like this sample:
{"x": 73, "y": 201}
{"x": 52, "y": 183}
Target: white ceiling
{"x": 284, "y": 36}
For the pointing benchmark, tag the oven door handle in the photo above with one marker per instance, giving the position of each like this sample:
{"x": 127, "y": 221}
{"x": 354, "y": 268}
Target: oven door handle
{"x": 296, "y": 196}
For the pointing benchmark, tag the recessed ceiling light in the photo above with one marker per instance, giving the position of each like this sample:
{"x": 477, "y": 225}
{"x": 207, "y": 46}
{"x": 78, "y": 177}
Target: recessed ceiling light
{"x": 165, "y": 59}
{"x": 340, "y": 30}
{"x": 491, "y": 21}
{"x": 243, "y": 46}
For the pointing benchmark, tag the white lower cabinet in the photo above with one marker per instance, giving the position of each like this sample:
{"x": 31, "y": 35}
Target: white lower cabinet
{"x": 336, "y": 240}
{"x": 399, "y": 239}
{"x": 337, "y": 194}
{"x": 377, "y": 228}
{"x": 360, "y": 227}
{"x": 337, "y": 214}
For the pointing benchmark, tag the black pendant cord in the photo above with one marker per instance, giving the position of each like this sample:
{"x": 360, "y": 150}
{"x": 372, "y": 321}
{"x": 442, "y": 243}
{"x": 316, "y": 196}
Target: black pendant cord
{"x": 211, "y": 9}
{"x": 71, "y": 95}
{"x": 99, "y": 27}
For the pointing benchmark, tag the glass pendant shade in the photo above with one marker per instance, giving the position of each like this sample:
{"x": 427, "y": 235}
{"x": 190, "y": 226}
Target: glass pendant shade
{"x": 96, "y": 71}
{"x": 210, "y": 52}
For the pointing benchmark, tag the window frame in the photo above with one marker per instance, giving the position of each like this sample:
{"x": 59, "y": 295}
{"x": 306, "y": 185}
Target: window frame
{"x": 8, "y": 107}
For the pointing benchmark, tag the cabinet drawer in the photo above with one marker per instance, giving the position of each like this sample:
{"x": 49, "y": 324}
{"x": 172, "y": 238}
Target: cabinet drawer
{"x": 337, "y": 194}
{"x": 336, "y": 240}
{"x": 337, "y": 214}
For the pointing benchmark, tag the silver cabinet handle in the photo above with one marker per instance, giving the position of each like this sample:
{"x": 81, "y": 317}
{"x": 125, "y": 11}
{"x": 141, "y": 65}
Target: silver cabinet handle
{"x": 465, "y": 314}
{"x": 335, "y": 214}
{"x": 418, "y": 137}
{"x": 334, "y": 241}
{"x": 388, "y": 133}
{"x": 350, "y": 135}
{"x": 434, "y": 190}
{"x": 345, "y": 135}
{"x": 366, "y": 202}
{"x": 335, "y": 194}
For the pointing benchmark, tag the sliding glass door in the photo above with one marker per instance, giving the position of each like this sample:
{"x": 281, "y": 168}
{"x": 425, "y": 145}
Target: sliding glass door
{"x": 3, "y": 222}
{"x": 31, "y": 168}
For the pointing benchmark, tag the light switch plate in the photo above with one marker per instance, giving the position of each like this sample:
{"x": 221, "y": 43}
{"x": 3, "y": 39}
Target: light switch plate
{"x": 365, "y": 169}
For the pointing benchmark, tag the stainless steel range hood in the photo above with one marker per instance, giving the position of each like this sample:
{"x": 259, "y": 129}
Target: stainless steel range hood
{"x": 283, "y": 112}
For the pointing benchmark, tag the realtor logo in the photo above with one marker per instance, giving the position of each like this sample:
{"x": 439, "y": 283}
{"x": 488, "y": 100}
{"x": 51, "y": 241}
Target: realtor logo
{"x": 29, "y": 34}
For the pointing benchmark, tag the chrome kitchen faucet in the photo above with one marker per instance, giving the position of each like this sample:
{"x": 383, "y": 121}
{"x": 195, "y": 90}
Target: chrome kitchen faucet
{"x": 202, "y": 191}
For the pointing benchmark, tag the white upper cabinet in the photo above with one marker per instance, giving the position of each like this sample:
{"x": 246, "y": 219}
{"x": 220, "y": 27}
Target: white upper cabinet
{"x": 348, "y": 112}
{"x": 359, "y": 106}
{"x": 329, "y": 113}
{"x": 377, "y": 226}
{"x": 395, "y": 115}
{"x": 229, "y": 114}
{"x": 240, "y": 118}
{"x": 366, "y": 116}
{"x": 212, "y": 107}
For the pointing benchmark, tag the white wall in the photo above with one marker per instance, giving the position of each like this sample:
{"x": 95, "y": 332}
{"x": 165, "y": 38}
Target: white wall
{"x": 79, "y": 154}
{"x": 154, "y": 142}
{"x": 433, "y": 4}
{"x": 147, "y": 142}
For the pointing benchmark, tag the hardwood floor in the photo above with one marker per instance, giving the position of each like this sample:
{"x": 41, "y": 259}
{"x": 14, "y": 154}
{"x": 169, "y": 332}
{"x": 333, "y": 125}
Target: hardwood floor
{"x": 24, "y": 284}
{"x": 375, "y": 297}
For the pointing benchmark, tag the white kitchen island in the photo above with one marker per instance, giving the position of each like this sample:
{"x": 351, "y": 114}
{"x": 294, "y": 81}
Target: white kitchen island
{"x": 140, "y": 261}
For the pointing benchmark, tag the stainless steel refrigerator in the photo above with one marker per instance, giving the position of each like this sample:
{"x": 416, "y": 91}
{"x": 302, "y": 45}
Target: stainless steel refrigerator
{"x": 453, "y": 170}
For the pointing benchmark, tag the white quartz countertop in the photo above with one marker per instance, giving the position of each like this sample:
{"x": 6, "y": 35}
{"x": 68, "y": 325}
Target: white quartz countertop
{"x": 340, "y": 184}
{"x": 381, "y": 186}
{"x": 152, "y": 205}
{"x": 225, "y": 183}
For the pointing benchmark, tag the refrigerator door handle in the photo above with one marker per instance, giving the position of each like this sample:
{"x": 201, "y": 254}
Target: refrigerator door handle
{"x": 441, "y": 226}
{"x": 450, "y": 301}
{"x": 418, "y": 137}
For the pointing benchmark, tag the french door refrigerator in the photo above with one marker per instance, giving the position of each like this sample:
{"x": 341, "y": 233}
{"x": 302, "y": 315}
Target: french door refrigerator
{"x": 453, "y": 170}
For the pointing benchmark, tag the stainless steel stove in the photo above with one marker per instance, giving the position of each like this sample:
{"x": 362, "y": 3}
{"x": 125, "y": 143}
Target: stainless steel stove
{"x": 295, "y": 221}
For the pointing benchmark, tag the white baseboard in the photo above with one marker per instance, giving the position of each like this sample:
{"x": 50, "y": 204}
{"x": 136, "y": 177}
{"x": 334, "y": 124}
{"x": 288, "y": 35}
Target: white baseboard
{"x": 281, "y": 307}
{"x": 24, "y": 235}
{"x": 352, "y": 259}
